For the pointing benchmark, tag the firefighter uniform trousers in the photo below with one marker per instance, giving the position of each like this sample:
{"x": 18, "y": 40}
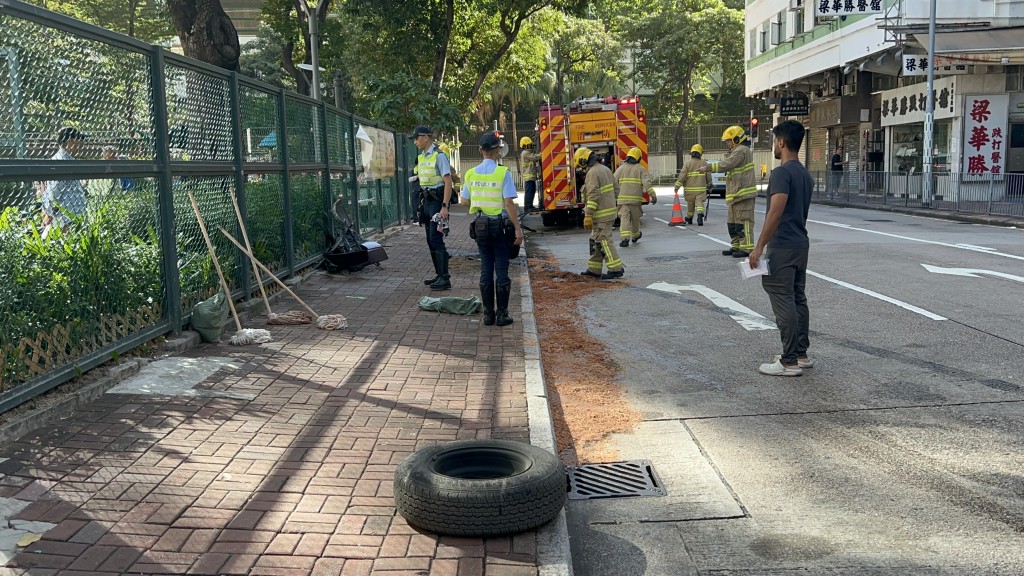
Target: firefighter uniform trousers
{"x": 740, "y": 195}
{"x": 695, "y": 186}
{"x": 632, "y": 180}
{"x": 601, "y": 190}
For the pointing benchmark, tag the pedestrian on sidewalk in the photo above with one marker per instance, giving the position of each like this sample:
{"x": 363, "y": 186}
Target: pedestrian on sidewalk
{"x": 740, "y": 190}
{"x": 837, "y": 165}
{"x": 435, "y": 178}
{"x": 599, "y": 191}
{"x": 491, "y": 193}
{"x": 633, "y": 181}
{"x": 529, "y": 166}
{"x": 784, "y": 236}
{"x": 695, "y": 184}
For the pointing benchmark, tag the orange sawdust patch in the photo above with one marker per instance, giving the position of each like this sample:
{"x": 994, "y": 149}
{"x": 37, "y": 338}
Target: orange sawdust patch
{"x": 586, "y": 403}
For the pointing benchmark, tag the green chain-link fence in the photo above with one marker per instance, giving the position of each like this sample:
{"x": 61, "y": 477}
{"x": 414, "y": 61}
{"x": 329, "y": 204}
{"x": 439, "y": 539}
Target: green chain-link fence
{"x": 103, "y": 139}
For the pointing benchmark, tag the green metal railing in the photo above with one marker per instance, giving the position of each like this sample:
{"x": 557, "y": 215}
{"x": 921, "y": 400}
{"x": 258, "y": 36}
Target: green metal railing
{"x": 99, "y": 248}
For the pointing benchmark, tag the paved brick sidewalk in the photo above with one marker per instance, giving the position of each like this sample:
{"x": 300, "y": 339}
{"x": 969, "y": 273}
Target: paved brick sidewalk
{"x": 297, "y": 479}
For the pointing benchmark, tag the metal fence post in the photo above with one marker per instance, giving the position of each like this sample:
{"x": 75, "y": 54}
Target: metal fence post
{"x": 991, "y": 191}
{"x": 245, "y": 267}
{"x": 326, "y": 176}
{"x": 354, "y": 205}
{"x": 282, "y": 130}
{"x": 165, "y": 192}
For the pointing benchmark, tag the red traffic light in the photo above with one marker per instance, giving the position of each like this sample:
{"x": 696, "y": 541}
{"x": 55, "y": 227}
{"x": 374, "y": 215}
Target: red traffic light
{"x": 753, "y": 122}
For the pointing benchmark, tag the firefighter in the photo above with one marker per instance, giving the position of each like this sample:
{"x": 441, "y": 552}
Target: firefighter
{"x": 695, "y": 184}
{"x": 492, "y": 194}
{"x": 600, "y": 192}
{"x": 435, "y": 177}
{"x": 633, "y": 180}
{"x": 740, "y": 190}
{"x": 529, "y": 166}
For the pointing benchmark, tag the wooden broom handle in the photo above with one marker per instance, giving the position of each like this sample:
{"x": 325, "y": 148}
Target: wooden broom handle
{"x": 216, "y": 263}
{"x": 267, "y": 270}
{"x": 252, "y": 260}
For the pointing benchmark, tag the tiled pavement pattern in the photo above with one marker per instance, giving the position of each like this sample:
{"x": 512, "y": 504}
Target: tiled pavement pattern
{"x": 298, "y": 480}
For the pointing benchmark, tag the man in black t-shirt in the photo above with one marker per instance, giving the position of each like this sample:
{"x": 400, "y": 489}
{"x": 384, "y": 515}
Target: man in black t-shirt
{"x": 837, "y": 170}
{"x": 785, "y": 237}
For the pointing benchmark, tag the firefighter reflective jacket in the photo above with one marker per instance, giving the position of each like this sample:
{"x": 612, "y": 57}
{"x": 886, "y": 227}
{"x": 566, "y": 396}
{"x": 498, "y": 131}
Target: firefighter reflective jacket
{"x": 633, "y": 181}
{"x": 740, "y": 180}
{"x": 691, "y": 179}
{"x": 529, "y": 165}
{"x": 600, "y": 191}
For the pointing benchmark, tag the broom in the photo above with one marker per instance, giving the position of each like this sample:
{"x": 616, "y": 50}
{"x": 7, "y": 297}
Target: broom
{"x": 327, "y": 322}
{"x": 288, "y": 318}
{"x": 244, "y": 335}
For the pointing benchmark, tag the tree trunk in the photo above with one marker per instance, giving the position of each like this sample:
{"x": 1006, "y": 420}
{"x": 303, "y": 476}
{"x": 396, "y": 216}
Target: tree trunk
{"x": 206, "y": 32}
{"x": 443, "y": 40}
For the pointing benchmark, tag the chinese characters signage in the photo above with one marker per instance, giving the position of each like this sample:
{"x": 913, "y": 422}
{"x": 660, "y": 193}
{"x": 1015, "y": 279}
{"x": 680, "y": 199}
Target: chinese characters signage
{"x": 833, "y": 8}
{"x": 984, "y": 141}
{"x": 917, "y": 65}
{"x": 377, "y": 151}
{"x": 907, "y": 105}
{"x": 793, "y": 106}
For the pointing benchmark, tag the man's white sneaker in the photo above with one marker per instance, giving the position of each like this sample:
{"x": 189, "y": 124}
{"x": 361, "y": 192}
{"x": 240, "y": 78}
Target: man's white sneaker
{"x": 809, "y": 363}
{"x": 778, "y": 369}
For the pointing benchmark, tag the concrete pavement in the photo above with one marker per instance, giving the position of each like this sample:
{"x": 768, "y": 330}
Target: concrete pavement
{"x": 278, "y": 458}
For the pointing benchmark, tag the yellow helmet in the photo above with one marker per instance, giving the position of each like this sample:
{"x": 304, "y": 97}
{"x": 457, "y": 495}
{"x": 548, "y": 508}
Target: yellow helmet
{"x": 634, "y": 153}
{"x": 525, "y": 141}
{"x": 734, "y": 133}
{"x": 697, "y": 148}
{"x": 581, "y": 157}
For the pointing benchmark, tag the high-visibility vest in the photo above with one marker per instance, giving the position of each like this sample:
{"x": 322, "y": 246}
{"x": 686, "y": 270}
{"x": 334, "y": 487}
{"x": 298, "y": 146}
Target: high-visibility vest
{"x": 486, "y": 191}
{"x": 426, "y": 168}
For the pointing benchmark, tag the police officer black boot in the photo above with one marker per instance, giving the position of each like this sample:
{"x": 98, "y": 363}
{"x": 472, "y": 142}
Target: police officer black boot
{"x": 437, "y": 274}
{"x": 503, "y": 291}
{"x": 443, "y": 281}
{"x": 487, "y": 295}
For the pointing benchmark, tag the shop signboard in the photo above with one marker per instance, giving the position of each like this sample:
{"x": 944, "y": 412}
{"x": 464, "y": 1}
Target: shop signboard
{"x": 907, "y": 105}
{"x": 984, "y": 138}
{"x": 835, "y": 8}
{"x": 793, "y": 106}
{"x": 917, "y": 65}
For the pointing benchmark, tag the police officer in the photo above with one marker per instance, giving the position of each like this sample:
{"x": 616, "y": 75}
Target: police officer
{"x": 492, "y": 194}
{"x": 435, "y": 179}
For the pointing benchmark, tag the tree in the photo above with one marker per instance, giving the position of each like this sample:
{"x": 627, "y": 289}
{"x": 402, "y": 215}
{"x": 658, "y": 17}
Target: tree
{"x": 206, "y": 32}
{"x": 683, "y": 46}
{"x": 146, "y": 20}
{"x": 585, "y": 59}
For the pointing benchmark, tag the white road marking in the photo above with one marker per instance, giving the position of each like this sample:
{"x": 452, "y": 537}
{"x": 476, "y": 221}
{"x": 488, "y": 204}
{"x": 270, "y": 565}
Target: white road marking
{"x": 981, "y": 249}
{"x": 882, "y": 297}
{"x": 971, "y": 272}
{"x": 744, "y": 316}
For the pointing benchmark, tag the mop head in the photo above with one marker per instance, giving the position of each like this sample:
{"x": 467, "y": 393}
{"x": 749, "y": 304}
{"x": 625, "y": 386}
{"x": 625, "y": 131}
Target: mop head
{"x": 332, "y": 322}
{"x": 249, "y": 336}
{"x": 290, "y": 318}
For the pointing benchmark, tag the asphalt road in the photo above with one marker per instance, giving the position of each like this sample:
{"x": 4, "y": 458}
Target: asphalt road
{"x": 900, "y": 452}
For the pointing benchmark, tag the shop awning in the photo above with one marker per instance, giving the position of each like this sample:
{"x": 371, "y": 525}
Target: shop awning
{"x": 991, "y": 45}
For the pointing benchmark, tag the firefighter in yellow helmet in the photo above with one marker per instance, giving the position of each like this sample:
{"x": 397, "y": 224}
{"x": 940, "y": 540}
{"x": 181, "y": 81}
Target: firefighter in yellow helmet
{"x": 633, "y": 181}
{"x": 599, "y": 192}
{"x": 529, "y": 167}
{"x": 695, "y": 184}
{"x": 740, "y": 190}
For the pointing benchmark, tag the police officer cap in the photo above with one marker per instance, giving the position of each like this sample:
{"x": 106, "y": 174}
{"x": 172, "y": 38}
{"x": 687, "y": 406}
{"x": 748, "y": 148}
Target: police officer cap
{"x": 490, "y": 141}
{"x": 421, "y": 131}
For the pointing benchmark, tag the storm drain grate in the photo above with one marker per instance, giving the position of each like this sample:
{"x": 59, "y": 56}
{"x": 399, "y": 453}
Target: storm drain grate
{"x": 880, "y": 220}
{"x": 614, "y": 480}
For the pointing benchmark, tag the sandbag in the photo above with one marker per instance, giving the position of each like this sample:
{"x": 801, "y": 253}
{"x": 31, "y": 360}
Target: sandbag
{"x": 452, "y": 304}
{"x": 210, "y": 317}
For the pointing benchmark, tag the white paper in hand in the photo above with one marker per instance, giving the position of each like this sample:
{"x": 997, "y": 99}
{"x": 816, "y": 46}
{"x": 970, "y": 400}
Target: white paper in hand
{"x": 748, "y": 272}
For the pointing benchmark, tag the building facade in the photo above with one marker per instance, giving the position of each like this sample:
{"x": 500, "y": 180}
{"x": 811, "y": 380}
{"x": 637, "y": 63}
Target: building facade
{"x": 855, "y": 71}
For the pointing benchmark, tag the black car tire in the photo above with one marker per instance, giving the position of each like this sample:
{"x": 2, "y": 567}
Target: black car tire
{"x": 480, "y": 488}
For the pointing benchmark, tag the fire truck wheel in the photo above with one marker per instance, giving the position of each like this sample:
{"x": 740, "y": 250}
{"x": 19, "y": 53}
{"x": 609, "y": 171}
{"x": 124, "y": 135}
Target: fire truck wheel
{"x": 548, "y": 218}
{"x": 480, "y": 487}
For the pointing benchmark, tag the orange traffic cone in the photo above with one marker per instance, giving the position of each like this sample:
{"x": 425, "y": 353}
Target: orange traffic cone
{"x": 677, "y": 213}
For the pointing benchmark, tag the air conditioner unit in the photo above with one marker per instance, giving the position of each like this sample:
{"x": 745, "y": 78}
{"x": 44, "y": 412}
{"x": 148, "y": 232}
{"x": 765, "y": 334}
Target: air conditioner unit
{"x": 795, "y": 5}
{"x": 850, "y": 90}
